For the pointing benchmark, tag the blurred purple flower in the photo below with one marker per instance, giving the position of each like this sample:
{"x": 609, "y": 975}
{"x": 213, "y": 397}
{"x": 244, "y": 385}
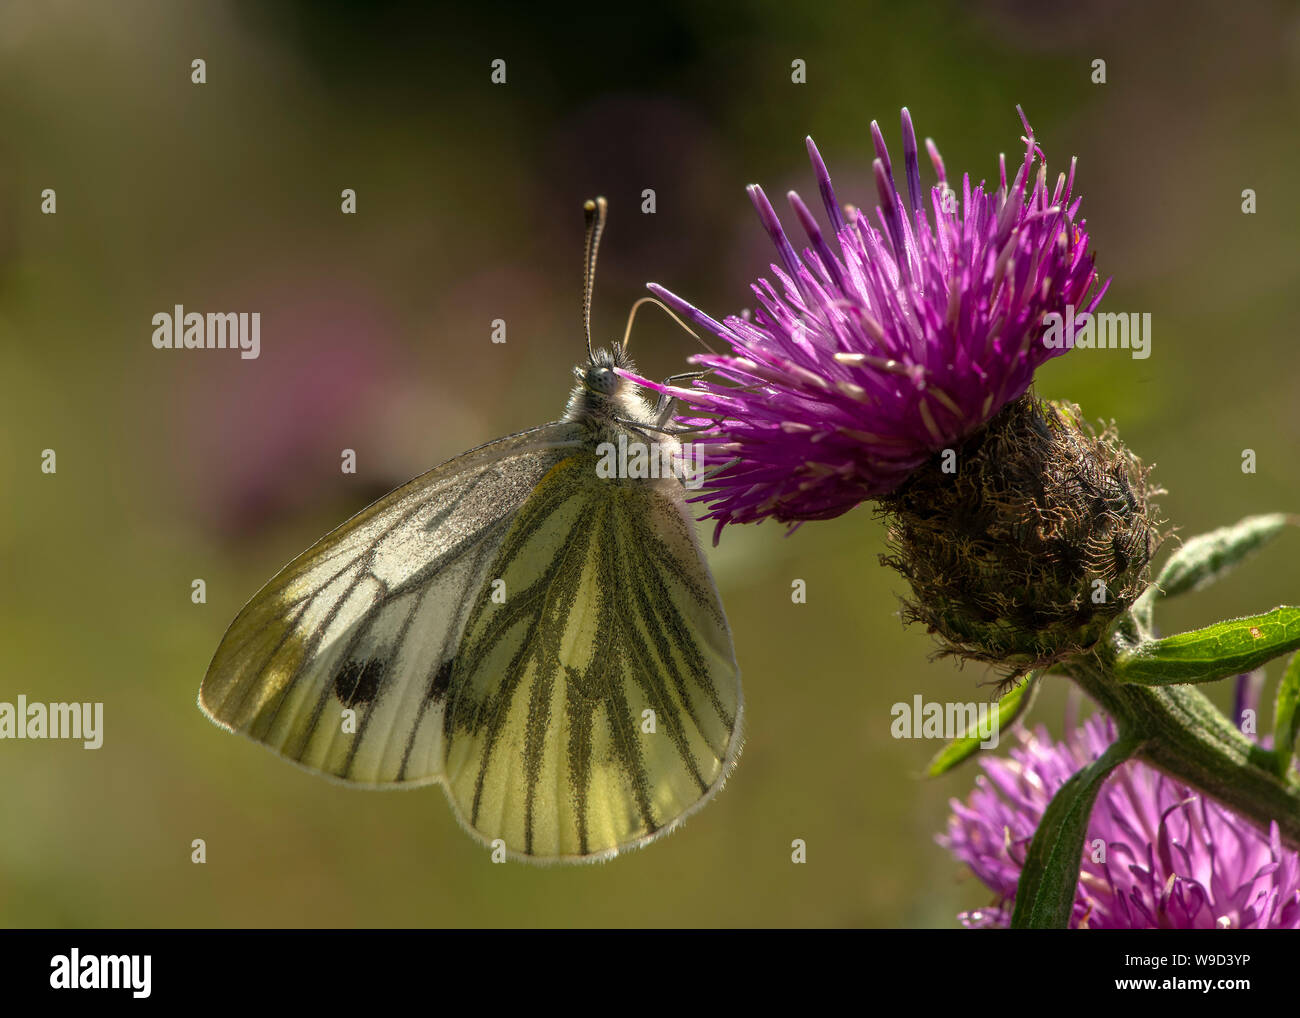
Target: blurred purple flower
{"x": 323, "y": 385}
{"x": 868, "y": 360}
{"x": 1173, "y": 859}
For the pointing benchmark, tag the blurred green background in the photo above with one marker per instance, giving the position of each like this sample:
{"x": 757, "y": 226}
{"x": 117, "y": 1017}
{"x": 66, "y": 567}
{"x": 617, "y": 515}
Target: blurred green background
{"x": 375, "y": 336}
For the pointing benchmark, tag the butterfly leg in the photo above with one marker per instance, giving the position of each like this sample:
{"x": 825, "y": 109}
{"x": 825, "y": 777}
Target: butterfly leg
{"x": 663, "y": 409}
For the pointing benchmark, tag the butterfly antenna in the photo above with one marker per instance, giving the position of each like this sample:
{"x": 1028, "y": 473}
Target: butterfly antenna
{"x": 631, "y": 317}
{"x": 595, "y": 215}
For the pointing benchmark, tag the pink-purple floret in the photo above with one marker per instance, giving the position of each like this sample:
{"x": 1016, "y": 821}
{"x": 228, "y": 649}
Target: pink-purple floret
{"x": 887, "y": 342}
{"x": 1157, "y": 854}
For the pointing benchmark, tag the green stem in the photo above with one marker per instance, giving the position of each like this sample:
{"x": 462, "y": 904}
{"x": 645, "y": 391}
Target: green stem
{"x": 1182, "y": 733}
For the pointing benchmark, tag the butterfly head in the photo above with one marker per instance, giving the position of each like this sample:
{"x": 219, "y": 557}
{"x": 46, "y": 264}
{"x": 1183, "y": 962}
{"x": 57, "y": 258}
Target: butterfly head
{"x": 601, "y": 392}
{"x": 598, "y": 376}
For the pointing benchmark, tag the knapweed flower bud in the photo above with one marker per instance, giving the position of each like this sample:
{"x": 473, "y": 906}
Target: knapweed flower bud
{"x": 1025, "y": 542}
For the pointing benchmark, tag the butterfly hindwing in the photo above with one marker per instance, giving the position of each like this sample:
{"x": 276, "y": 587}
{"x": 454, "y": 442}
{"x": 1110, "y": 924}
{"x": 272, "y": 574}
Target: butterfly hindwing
{"x": 369, "y": 619}
{"x": 599, "y": 702}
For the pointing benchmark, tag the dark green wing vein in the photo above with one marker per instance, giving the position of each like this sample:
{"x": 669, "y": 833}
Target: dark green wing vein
{"x": 418, "y": 492}
{"x": 651, "y": 683}
{"x": 531, "y": 517}
{"x": 652, "y": 598}
{"x": 588, "y": 692}
{"x": 265, "y": 722}
{"x": 539, "y": 723}
{"x": 345, "y": 620}
{"x": 248, "y": 687}
{"x": 623, "y": 729}
{"x": 670, "y": 619}
{"x": 579, "y": 755}
{"x": 302, "y": 602}
{"x": 518, "y": 606}
{"x": 446, "y": 658}
{"x": 394, "y": 650}
{"x": 474, "y": 541}
{"x": 313, "y": 647}
{"x": 609, "y": 610}
{"x": 560, "y": 582}
{"x": 644, "y": 660}
{"x": 309, "y": 561}
{"x": 663, "y": 557}
{"x": 477, "y": 543}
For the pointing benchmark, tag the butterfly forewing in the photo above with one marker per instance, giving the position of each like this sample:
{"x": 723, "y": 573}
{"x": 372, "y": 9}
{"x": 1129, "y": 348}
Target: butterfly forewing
{"x": 599, "y": 702}
{"x": 369, "y": 618}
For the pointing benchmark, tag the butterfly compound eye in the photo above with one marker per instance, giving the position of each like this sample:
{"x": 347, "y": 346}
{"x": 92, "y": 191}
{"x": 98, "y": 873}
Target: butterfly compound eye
{"x": 602, "y": 380}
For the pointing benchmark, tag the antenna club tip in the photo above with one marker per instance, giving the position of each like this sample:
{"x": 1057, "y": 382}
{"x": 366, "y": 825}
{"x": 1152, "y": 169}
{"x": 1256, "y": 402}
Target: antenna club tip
{"x": 594, "y": 210}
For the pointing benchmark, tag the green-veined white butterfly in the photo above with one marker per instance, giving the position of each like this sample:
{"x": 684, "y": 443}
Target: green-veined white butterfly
{"x": 529, "y": 707}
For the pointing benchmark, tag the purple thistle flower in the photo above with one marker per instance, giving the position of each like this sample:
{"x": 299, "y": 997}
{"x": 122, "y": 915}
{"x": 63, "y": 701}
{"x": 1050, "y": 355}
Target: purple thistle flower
{"x": 886, "y": 343}
{"x": 1173, "y": 859}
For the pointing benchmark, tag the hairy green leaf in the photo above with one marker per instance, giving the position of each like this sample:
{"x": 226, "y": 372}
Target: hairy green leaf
{"x": 1004, "y": 714}
{"x": 1215, "y": 652}
{"x": 1045, "y": 894}
{"x": 1286, "y": 715}
{"x": 1208, "y": 557}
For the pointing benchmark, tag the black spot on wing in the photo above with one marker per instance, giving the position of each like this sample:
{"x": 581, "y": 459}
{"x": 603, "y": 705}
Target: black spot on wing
{"x": 441, "y": 680}
{"x": 358, "y": 682}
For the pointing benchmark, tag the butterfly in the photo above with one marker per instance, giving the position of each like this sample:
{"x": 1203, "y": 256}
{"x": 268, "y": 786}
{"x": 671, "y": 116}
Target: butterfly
{"x": 545, "y": 642}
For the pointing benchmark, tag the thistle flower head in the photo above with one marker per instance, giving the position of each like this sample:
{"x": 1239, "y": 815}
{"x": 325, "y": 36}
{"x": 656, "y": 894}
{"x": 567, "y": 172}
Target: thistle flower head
{"x": 889, "y": 338}
{"x": 1157, "y": 854}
